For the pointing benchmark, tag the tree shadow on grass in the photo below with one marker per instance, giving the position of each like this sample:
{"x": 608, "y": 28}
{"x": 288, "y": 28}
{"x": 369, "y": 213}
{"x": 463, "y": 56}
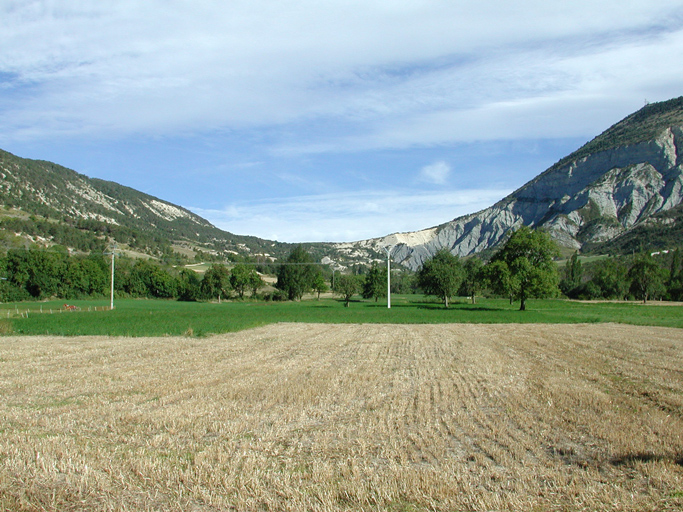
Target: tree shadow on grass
{"x": 412, "y": 305}
{"x": 384, "y": 306}
{"x": 352, "y": 301}
{"x": 456, "y": 307}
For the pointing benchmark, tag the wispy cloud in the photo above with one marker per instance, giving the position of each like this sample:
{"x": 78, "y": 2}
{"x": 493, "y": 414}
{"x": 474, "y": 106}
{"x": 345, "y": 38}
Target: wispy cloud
{"x": 436, "y": 173}
{"x": 348, "y": 216}
{"x": 156, "y": 67}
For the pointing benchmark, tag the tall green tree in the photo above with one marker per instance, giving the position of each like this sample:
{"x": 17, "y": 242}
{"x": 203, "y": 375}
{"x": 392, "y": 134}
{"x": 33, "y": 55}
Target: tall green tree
{"x": 40, "y": 273}
{"x": 297, "y": 275}
{"x": 498, "y": 278}
{"x": 188, "y": 285}
{"x": 647, "y": 277}
{"x": 162, "y": 284}
{"x": 138, "y": 283}
{"x": 239, "y": 279}
{"x": 472, "y": 278}
{"x": 403, "y": 281}
{"x": 441, "y": 275}
{"x": 319, "y": 284}
{"x": 524, "y": 267}
{"x": 244, "y": 277}
{"x": 216, "y": 282}
{"x": 573, "y": 275}
{"x": 347, "y": 286}
{"x": 610, "y": 279}
{"x": 147, "y": 279}
{"x": 375, "y": 283}
{"x": 675, "y": 281}
{"x": 256, "y": 282}
{"x": 85, "y": 277}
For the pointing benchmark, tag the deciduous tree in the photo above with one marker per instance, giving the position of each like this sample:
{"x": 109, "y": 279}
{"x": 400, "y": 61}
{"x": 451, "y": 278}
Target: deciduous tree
{"x": 319, "y": 284}
{"x": 162, "y": 285}
{"x": 473, "y": 278}
{"x": 441, "y": 275}
{"x": 647, "y": 277}
{"x": 675, "y": 281}
{"x": 375, "y": 283}
{"x": 85, "y": 277}
{"x": 39, "y": 272}
{"x": 609, "y": 280}
{"x": 216, "y": 282}
{"x": 244, "y": 277}
{"x": 297, "y": 275}
{"x": 573, "y": 275}
{"x": 188, "y": 285}
{"x": 524, "y": 267}
{"x": 347, "y": 286}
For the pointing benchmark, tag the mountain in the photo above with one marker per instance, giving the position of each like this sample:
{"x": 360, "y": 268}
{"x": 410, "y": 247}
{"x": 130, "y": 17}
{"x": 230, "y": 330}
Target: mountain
{"x": 614, "y": 193}
{"x": 620, "y": 192}
{"x": 50, "y": 204}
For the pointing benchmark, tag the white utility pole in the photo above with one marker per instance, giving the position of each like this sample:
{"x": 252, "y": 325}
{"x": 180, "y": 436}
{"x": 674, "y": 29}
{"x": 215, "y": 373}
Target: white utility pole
{"x": 388, "y": 250}
{"x": 113, "y": 255}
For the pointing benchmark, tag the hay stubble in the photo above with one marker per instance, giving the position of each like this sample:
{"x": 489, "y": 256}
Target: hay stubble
{"x": 346, "y": 417}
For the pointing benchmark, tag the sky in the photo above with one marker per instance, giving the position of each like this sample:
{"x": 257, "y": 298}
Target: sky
{"x": 327, "y": 120}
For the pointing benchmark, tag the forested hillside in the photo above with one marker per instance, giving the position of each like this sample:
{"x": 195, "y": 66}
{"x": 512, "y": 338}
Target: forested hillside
{"x": 46, "y": 204}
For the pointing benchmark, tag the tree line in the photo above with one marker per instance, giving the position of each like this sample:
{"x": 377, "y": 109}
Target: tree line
{"x": 523, "y": 268}
{"x": 36, "y": 274}
{"x": 641, "y": 276}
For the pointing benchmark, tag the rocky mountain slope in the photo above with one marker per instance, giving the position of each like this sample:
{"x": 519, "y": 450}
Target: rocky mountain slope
{"x": 623, "y": 179}
{"x": 57, "y": 204}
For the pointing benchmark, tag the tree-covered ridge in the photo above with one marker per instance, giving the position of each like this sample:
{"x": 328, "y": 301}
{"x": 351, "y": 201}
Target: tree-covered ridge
{"x": 52, "y": 193}
{"x": 82, "y": 235}
{"x": 643, "y": 125}
{"x": 37, "y": 182}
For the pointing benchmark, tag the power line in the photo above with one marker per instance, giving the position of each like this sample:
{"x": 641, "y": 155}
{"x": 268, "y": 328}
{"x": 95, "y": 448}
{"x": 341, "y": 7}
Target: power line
{"x": 276, "y": 263}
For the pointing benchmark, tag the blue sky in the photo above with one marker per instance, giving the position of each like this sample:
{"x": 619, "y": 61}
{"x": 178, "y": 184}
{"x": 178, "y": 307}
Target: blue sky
{"x": 326, "y": 120}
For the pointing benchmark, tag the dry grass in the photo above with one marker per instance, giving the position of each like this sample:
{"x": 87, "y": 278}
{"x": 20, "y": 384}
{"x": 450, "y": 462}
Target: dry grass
{"x": 346, "y": 417}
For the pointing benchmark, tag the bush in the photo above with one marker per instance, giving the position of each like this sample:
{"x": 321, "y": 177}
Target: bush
{"x": 9, "y": 293}
{"x": 275, "y": 296}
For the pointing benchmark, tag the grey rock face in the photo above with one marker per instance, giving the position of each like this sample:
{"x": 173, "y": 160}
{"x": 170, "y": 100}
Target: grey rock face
{"x": 592, "y": 199}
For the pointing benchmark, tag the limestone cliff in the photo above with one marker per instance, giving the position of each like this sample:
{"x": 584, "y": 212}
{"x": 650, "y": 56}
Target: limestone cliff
{"x": 615, "y": 182}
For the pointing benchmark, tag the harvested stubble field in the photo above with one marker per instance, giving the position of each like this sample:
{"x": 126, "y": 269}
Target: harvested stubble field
{"x": 346, "y": 417}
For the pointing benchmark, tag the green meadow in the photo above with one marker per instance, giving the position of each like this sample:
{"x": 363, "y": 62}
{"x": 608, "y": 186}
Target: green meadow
{"x": 172, "y": 318}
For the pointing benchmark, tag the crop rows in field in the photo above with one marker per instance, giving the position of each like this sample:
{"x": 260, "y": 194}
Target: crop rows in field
{"x": 346, "y": 417}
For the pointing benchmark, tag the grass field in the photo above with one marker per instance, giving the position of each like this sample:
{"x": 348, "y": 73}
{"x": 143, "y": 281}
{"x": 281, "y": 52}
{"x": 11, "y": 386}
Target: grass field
{"x": 160, "y": 318}
{"x": 346, "y": 417}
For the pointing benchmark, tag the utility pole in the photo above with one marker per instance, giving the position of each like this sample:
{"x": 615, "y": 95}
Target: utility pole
{"x": 388, "y": 251}
{"x": 113, "y": 255}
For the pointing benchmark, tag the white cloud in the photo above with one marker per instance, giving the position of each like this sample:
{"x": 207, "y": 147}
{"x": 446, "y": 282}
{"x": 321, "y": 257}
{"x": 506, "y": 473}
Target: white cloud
{"x": 160, "y": 67}
{"x": 347, "y": 217}
{"x": 436, "y": 173}
{"x": 568, "y": 91}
